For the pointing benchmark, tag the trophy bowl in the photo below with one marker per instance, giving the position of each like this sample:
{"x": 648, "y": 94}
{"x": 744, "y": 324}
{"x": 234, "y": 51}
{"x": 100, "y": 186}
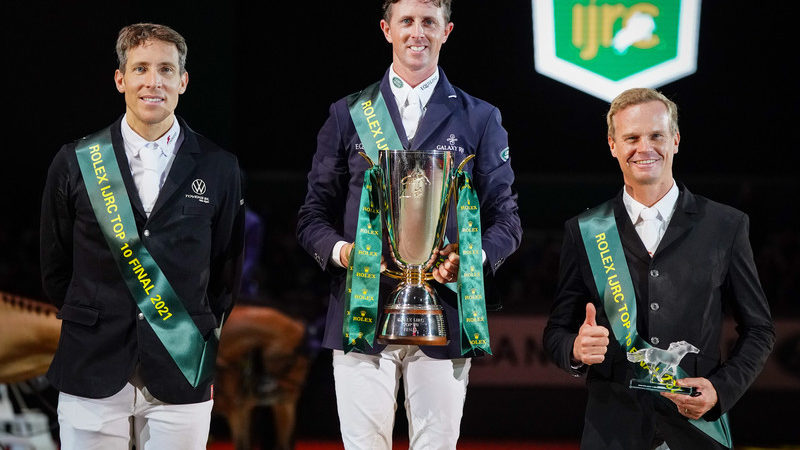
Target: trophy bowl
{"x": 415, "y": 194}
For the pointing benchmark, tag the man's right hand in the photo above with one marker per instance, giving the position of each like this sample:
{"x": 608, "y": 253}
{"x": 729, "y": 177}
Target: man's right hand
{"x": 592, "y": 342}
{"x": 344, "y": 254}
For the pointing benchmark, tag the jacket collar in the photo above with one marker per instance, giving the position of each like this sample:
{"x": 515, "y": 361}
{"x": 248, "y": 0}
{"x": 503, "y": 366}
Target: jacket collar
{"x": 683, "y": 219}
{"x": 182, "y": 167}
{"x": 442, "y": 104}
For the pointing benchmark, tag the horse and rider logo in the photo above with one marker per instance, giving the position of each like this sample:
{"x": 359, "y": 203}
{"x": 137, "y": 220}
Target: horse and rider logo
{"x": 603, "y": 47}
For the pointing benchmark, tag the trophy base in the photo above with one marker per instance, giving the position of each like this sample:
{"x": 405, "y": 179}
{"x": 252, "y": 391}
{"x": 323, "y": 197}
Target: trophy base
{"x": 415, "y": 340}
{"x": 414, "y": 317}
{"x": 661, "y": 387}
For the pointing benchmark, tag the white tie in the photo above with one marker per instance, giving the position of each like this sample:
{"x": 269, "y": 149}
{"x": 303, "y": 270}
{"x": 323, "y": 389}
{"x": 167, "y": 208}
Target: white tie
{"x": 148, "y": 191}
{"x": 651, "y": 225}
{"x": 412, "y": 111}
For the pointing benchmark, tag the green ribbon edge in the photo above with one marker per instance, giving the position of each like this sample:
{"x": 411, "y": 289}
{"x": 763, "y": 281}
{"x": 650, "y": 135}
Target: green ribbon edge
{"x": 372, "y": 121}
{"x": 194, "y": 356}
{"x": 600, "y": 220}
{"x": 471, "y": 300}
{"x": 364, "y": 270}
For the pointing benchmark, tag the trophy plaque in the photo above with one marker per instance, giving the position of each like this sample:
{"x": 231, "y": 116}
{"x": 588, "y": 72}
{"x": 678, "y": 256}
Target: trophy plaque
{"x": 662, "y": 366}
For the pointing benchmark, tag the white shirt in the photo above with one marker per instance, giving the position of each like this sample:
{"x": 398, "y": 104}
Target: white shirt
{"x": 134, "y": 143}
{"x": 419, "y": 94}
{"x": 665, "y": 208}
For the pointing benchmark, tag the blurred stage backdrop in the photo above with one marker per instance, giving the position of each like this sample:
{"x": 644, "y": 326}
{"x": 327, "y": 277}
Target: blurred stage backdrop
{"x": 262, "y": 75}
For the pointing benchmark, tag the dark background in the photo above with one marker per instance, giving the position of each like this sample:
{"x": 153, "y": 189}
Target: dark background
{"x": 262, "y": 75}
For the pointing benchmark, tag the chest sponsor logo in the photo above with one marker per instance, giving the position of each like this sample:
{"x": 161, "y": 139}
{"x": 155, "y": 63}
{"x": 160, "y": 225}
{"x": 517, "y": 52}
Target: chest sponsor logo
{"x": 199, "y": 188}
{"x": 451, "y": 145}
{"x": 603, "y": 47}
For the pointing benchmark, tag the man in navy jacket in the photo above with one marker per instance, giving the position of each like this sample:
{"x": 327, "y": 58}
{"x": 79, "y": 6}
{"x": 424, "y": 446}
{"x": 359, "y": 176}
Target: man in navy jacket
{"x": 429, "y": 114}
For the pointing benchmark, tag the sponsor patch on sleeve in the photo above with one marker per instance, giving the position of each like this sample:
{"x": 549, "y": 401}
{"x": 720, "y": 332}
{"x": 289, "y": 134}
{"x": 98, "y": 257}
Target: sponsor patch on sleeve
{"x": 504, "y": 154}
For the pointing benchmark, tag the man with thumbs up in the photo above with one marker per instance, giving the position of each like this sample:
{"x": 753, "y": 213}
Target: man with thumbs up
{"x": 653, "y": 266}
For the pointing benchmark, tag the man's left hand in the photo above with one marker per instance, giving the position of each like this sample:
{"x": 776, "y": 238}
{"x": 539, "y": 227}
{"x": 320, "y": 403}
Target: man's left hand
{"x": 694, "y": 407}
{"x": 447, "y": 271}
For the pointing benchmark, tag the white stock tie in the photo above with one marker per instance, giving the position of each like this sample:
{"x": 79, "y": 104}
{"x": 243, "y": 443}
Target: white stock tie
{"x": 412, "y": 111}
{"x": 148, "y": 191}
{"x": 651, "y": 224}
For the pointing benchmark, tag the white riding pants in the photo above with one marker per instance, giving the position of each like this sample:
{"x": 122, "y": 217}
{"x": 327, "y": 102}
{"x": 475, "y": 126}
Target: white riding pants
{"x": 366, "y": 397}
{"x": 131, "y": 416}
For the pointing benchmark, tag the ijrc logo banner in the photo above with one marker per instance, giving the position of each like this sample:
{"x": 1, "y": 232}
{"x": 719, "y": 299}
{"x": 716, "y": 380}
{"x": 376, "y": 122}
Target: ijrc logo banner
{"x": 603, "y": 47}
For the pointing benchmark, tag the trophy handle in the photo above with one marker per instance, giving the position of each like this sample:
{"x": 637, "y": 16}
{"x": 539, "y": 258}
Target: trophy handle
{"x": 460, "y": 166}
{"x": 369, "y": 161}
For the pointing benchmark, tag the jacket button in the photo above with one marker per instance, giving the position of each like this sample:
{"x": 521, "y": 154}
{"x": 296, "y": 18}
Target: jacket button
{"x": 654, "y": 273}
{"x": 654, "y": 306}
{"x": 146, "y": 233}
{"x": 140, "y": 316}
{"x": 654, "y": 340}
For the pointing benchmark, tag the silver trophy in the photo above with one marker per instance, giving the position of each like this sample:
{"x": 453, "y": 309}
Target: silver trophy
{"x": 415, "y": 196}
{"x": 662, "y": 366}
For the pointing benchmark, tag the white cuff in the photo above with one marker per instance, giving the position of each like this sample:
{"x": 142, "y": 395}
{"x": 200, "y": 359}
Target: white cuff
{"x": 337, "y": 250}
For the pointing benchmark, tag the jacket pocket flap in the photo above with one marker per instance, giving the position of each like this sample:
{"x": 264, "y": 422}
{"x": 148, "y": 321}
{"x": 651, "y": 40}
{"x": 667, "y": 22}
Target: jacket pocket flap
{"x": 198, "y": 210}
{"x": 83, "y": 315}
{"x": 205, "y": 322}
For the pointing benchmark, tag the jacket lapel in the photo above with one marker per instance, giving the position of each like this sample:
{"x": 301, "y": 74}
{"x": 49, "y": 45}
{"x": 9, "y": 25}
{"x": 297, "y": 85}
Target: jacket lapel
{"x": 627, "y": 232}
{"x": 439, "y": 109}
{"x": 182, "y": 167}
{"x": 683, "y": 219}
{"x": 125, "y": 169}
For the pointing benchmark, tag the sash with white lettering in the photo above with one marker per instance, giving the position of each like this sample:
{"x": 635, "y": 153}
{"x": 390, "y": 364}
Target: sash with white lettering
{"x": 376, "y": 131}
{"x": 614, "y": 285}
{"x": 154, "y": 296}
{"x": 471, "y": 301}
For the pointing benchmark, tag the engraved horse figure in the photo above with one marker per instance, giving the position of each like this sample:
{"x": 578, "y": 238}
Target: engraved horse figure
{"x": 662, "y": 362}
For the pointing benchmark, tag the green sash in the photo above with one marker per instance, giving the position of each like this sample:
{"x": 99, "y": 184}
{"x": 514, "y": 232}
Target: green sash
{"x": 153, "y": 294}
{"x": 614, "y": 285}
{"x": 471, "y": 301}
{"x": 376, "y": 130}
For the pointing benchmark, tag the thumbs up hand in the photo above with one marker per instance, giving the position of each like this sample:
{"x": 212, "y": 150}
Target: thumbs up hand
{"x": 591, "y": 344}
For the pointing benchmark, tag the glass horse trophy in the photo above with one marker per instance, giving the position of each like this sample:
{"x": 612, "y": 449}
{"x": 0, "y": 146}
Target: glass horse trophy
{"x": 662, "y": 367}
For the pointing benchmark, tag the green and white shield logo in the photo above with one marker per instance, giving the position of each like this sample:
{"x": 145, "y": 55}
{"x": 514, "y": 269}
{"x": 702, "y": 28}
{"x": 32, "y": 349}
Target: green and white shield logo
{"x": 603, "y": 47}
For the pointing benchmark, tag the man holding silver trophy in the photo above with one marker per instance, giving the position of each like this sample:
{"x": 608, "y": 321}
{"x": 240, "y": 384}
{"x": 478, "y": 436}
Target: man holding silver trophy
{"x": 409, "y": 207}
{"x": 644, "y": 281}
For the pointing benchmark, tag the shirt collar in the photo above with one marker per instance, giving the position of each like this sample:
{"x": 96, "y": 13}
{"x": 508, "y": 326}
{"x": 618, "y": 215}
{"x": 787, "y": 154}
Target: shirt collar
{"x": 665, "y": 206}
{"x": 400, "y": 88}
{"x": 134, "y": 142}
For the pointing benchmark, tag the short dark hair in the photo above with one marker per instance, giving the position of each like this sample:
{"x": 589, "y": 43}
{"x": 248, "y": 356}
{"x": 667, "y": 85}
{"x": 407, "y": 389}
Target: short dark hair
{"x": 137, "y": 34}
{"x": 446, "y": 6}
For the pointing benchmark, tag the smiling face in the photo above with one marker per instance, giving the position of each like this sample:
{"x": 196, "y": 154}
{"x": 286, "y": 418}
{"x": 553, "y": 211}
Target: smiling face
{"x": 151, "y": 82}
{"x": 416, "y": 29}
{"x": 644, "y": 145}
